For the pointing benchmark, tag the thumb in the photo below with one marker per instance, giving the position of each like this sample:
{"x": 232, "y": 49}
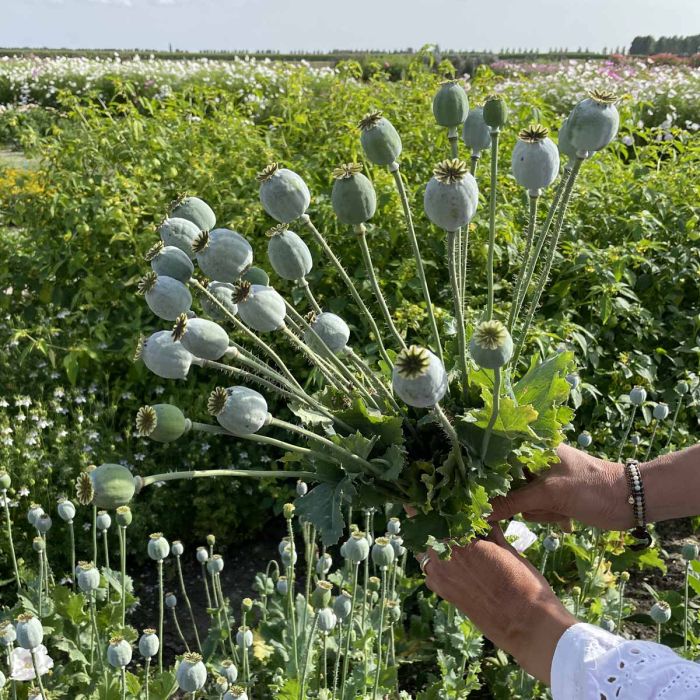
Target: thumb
{"x": 527, "y": 498}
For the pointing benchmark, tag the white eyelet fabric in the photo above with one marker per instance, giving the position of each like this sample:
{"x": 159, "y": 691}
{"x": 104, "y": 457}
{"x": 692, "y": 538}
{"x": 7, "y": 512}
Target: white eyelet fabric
{"x": 592, "y": 664}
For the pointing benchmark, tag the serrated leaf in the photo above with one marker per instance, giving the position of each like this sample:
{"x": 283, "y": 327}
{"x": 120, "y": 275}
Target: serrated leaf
{"x": 513, "y": 420}
{"x": 322, "y": 506}
{"x": 371, "y": 424}
{"x": 307, "y": 416}
{"x": 358, "y": 444}
{"x": 395, "y": 458}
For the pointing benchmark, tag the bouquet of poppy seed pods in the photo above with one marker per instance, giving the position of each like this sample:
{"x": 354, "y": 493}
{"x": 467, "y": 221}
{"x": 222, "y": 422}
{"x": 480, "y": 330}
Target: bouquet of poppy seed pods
{"x": 442, "y": 424}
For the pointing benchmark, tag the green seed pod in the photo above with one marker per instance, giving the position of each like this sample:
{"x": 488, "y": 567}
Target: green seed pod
{"x": 535, "y": 159}
{"x": 383, "y": 554}
{"x": 283, "y": 193}
{"x": 191, "y": 674}
{"x": 162, "y": 422}
{"x": 170, "y": 261}
{"x": 256, "y": 275}
{"x": 682, "y": 388}
{"x": 242, "y": 411}
{"x": 158, "y": 547}
{"x": 357, "y": 547}
{"x": 374, "y": 583}
{"x": 228, "y": 670}
{"x": 584, "y": 439}
{"x": 660, "y": 612}
{"x": 124, "y": 516}
{"x": 329, "y": 329}
{"x": 327, "y": 620}
{"x": 342, "y": 605}
{"x": 564, "y": 142}
{"x": 87, "y": 577}
{"x": 260, "y": 308}
{"x": 638, "y": 396}
{"x": 393, "y": 610}
{"x": 495, "y": 112}
{"x": 353, "y": 197}
{"x": 475, "y": 132}
{"x": 321, "y": 595}
{"x": 195, "y": 210}
{"x": 165, "y": 296}
{"x": 380, "y": 140}
{"x": 491, "y": 346}
{"x": 113, "y": 484}
{"x": 689, "y": 551}
{"x": 302, "y": 488}
{"x": 661, "y": 411}
{"x": 177, "y": 548}
{"x": 451, "y": 196}
{"x": 103, "y": 521}
{"x": 203, "y": 338}
{"x": 625, "y": 576}
{"x": 164, "y": 357}
{"x": 247, "y": 605}
{"x": 284, "y": 542}
{"x": 419, "y": 378}
{"x": 5, "y": 480}
{"x": 222, "y": 254}
{"x": 450, "y": 104}
{"x": 288, "y": 254}
{"x": 179, "y": 233}
{"x": 8, "y": 634}
{"x": 593, "y": 122}
{"x": 38, "y": 544}
{"x": 397, "y": 544}
{"x": 288, "y": 557}
{"x": 220, "y": 684}
{"x": 66, "y": 510}
{"x": 118, "y": 652}
{"x": 30, "y": 632}
{"x": 225, "y": 293}
{"x": 148, "y": 643}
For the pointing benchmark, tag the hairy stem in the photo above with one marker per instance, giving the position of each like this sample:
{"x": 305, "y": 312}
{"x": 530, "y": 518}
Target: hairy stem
{"x": 494, "y": 412}
{"x": 8, "y": 525}
{"x": 208, "y": 473}
{"x": 492, "y": 223}
{"x": 454, "y": 439}
{"x": 458, "y": 309}
{"x": 303, "y": 283}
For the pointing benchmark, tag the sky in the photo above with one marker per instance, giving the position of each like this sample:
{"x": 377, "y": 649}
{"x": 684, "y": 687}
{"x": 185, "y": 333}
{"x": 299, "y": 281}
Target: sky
{"x": 285, "y": 25}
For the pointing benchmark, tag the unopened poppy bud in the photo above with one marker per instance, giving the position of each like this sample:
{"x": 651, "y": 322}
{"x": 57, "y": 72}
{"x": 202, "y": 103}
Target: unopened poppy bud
{"x": 211, "y": 540}
{"x": 374, "y": 583}
{"x": 288, "y": 510}
{"x": 281, "y": 586}
{"x": 246, "y": 605}
{"x": 5, "y": 480}
{"x": 495, "y": 112}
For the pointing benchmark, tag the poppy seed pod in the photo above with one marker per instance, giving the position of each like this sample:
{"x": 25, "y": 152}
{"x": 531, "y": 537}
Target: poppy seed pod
{"x": 8, "y": 633}
{"x": 450, "y": 104}
{"x": 342, "y": 605}
{"x": 475, "y": 132}
{"x": 288, "y": 254}
{"x": 660, "y": 612}
{"x": 551, "y": 543}
{"x": 5, "y": 480}
{"x": 66, "y": 510}
{"x": 288, "y": 510}
{"x": 625, "y": 576}
{"x": 256, "y": 275}
{"x": 397, "y": 544}
{"x": 161, "y": 422}
{"x": 393, "y": 526}
{"x": 44, "y": 523}
{"x": 689, "y": 551}
{"x": 491, "y": 345}
{"x": 103, "y": 521}
{"x": 353, "y": 197}
{"x": 374, "y": 583}
{"x": 321, "y": 595}
{"x": 329, "y": 329}
{"x": 176, "y": 548}
{"x": 380, "y": 141}
{"x": 224, "y": 292}
{"x": 584, "y": 439}
{"x": 222, "y": 254}
{"x": 113, "y": 485}
{"x": 201, "y": 337}
{"x": 30, "y": 632}
{"x": 38, "y": 544}
{"x": 682, "y": 388}
{"x": 124, "y": 516}
{"x": 451, "y": 196}
{"x": 236, "y": 693}
{"x": 495, "y": 112}
{"x": 564, "y": 143}
{"x": 661, "y": 411}
{"x": 287, "y": 558}
{"x": 282, "y": 586}
{"x": 158, "y": 547}
{"x": 170, "y": 600}
{"x": 195, "y": 210}
{"x": 119, "y": 652}
{"x": 179, "y": 233}
{"x": 238, "y": 409}
{"x": 202, "y": 554}
{"x": 164, "y": 357}
{"x": 148, "y": 643}
{"x": 638, "y": 395}
{"x": 244, "y": 636}
{"x": 215, "y": 565}
{"x": 383, "y": 554}
{"x": 302, "y": 488}
{"x": 357, "y": 547}
{"x": 283, "y": 544}
{"x": 283, "y": 193}
{"x": 170, "y": 261}
{"x": 191, "y": 674}
{"x": 324, "y": 564}
{"x": 34, "y": 512}
{"x": 593, "y": 122}
{"x": 418, "y": 377}
{"x": 88, "y": 577}
{"x": 327, "y": 620}
{"x": 166, "y": 297}
{"x": 535, "y": 159}
{"x": 228, "y": 670}
{"x": 261, "y": 308}
{"x": 394, "y": 610}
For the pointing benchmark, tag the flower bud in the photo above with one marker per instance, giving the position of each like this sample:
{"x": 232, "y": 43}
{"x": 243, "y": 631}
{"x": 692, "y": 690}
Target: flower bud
{"x": 124, "y": 516}
{"x": 149, "y": 643}
{"x": 393, "y": 526}
{"x": 281, "y": 586}
{"x": 176, "y": 548}
{"x": 246, "y": 605}
{"x": 321, "y": 595}
{"x": 661, "y": 411}
{"x": 170, "y": 600}
{"x": 357, "y": 547}
{"x": 5, "y": 480}
{"x": 119, "y": 652}
{"x": 324, "y": 564}
{"x": 103, "y": 520}
{"x": 660, "y": 612}
{"x": 288, "y": 510}
{"x": 211, "y": 540}
{"x": 228, "y": 670}
{"x": 625, "y": 576}
{"x": 302, "y": 488}
{"x": 88, "y": 577}
{"x": 244, "y": 636}
{"x": 638, "y": 396}
{"x": 191, "y": 673}
{"x": 30, "y": 632}
{"x": 202, "y": 554}
{"x": 383, "y": 553}
{"x": 551, "y": 543}
{"x": 66, "y": 510}
{"x": 38, "y": 544}
{"x": 689, "y": 551}
{"x": 158, "y": 547}
{"x": 216, "y": 564}
{"x": 327, "y": 620}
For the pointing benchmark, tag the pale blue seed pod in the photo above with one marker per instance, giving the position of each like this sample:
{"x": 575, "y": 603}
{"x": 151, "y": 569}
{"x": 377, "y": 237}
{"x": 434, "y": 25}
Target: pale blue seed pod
{"x": 66, "y": 510}
{"x": 191, "y": 674}
{"x": 327, "y": 620}
{"x": 451, "y": 196}
{"x": 288, "y": 254}
{"x": 119, "y": 652}
{"x": 450, "y": 104}
{"x": 44, "y": 523}
{"x": 170, "y": 600}
{"x": 491, "y": 346}
{"x": 564, "y": 144}
{"x": 289, "y": 557}
{"x": 393, "y": 526}
{"x": 660, "y": 612}
{"x": 324, "y": 564}
{"x": 162, "y": 422}
{"x": 682, "y": 388}
{"x": 244, "y": 636}
{"x": 380, "y": 140}
{"x": 383, "y": 554}
{"x": 149, "y": 643}
{"x": 195, "y": 210}
{"x": 283, "y": 544}
{"x": 88, "y": 577}
{"x": 329, "y": 329}
{"x": 397, "y": 544}
{"x": 661, "y": 411}
{"x": 180, "y": 233}
{"x": 215, "y": 565}
{"x": 8, "y": 633}
{"x": 236, "y": 693}
{"x": 689, "y": 551}
{"x": 203, "y": 338}
{"x": 202, "y": 554}
{"x": 282, "y": 586}
{"x": 177, "y": 548}
{"x": 593, "y": 123}
{"x": 535, "y": 159}
{"x": 256, "y": 275}
{"x": 573, "y": 379}
{"x": 283, "y": 193}
{"x": 261, "y": 308}
{"x": 419, "y": 377}
{"x": 113, "y": 486}
{"x": 225, "y": 293}
{"x": 475, "y": 132}
{"x": 638, "y": 395}
{"x": 551, "y": 543}
{"x": 353, "y": 197}
{"x": 357, "y": 547}
{"x": 34, "y": 512}
{"x": 239, "y": 409}
{"x": 165, "y": 357}
{"x": 30, "y": 632}
{"x": 342, "y": 605}
{"x": 103, "y": 521}
{"x": 393, "y": 610}
{"x": 229, "y": 670}
{"x": 158, "y": 547}
{"x": 166, "y": 297}
{"x": 302, "y": 488}
{"x": 171, "y": 261}
{"x": 585, "y": 439}
{"x": 222, "y": 254}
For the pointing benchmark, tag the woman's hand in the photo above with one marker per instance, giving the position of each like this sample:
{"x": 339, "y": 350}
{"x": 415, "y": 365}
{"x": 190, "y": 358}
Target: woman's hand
{"x": 579, "y": 487}
{"x": 505, "y": 597}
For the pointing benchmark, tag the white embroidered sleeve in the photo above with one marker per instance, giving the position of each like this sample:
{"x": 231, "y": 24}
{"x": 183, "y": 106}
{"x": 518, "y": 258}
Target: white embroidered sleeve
{"x": 592, "y": 664}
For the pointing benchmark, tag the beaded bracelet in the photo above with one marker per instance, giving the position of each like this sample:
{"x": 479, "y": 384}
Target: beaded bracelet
{"x": 636, "y": 500}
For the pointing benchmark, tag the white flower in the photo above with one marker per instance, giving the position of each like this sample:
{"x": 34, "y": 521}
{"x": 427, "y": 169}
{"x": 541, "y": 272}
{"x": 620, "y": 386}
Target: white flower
{"x": 24, "y": 491}
{"x": 519, "y": 535}
{"x": 21, "y": 667}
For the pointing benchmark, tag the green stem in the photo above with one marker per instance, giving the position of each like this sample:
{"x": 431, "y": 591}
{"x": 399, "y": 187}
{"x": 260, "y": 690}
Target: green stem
{"x": 453, "y": 138}
{"x": 454, "y": 440}
{"x": 303, "y": 283}
{"x": 310, "y": 549}
{"x": 458, "y": 309}
{"x": 147, "y": 674}
{"x": 206, "y": 585}
{"x": 349, "y": 283}
{"x": 41, "y": 581}
{"x": 222, "y": 608}
{"x": 38, "y": 677}
{"x": 244, "y": 651}
{"x": 122, "y": 562}
{"x": 623, "y": 442}
{"x": 416, "y": 254}
{"x": 492, "y": 223}
{"x": 651, "y": 441}
{"x": 9, "y": 666}
{"x": 160, "y": 615}
{"x": 463, "y": 263}
{"x": 475, "y": 162}
{"x": 620, "y": 608}
{"x": 94, "y": 534}
{"x": 123, "y": 681}
{"x": 183, "y": 590}
{"x": 290, "y": 594}
{"x": 93, "y": 622}
{"x": 8, "y": 524}
{"x": 494, "y": 412}
{"x": 336, "y": 666}
{"x": 307, "y": 656}
{"x": 207, "y": 473}
{"x": 346, "y": 653}
{"x": 675, "y": 419}
{"x": 71, "y": 534}
{"x": 382, "y": 606}
{"x": 106, "y": 546}
{"x": 375, "y": 380}
{"x": 178, "y": 629}
{"x": 685, "y": 609}
{"x": 543, "y": 565}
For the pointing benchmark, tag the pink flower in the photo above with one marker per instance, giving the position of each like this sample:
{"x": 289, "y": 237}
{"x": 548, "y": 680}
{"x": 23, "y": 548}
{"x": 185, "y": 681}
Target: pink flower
{"x": 21, "y": 667}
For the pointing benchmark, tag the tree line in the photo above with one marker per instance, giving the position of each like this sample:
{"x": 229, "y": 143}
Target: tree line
{"x": 678, "y": 45}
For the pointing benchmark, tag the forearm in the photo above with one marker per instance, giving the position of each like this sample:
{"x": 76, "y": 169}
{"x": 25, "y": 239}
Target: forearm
{"x": 672, "y": 485}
